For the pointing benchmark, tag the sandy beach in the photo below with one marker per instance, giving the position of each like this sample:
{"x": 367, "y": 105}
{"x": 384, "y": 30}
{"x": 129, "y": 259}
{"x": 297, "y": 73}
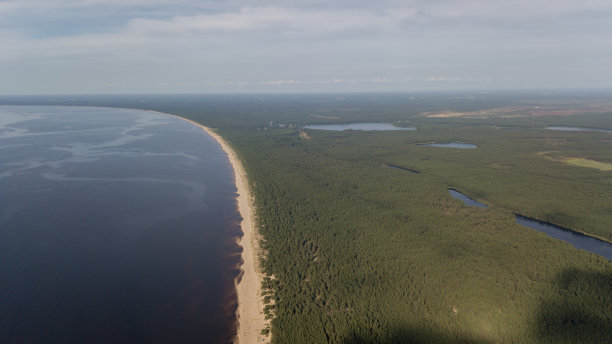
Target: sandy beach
{"x": 251, "y": 319}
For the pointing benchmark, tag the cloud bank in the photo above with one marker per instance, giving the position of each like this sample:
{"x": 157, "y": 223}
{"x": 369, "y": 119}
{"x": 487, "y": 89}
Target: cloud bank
{"x": 95, "y": 46}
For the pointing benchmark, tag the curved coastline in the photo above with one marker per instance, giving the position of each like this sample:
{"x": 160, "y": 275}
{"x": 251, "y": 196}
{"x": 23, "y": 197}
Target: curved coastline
{"x": 251, "y": 319}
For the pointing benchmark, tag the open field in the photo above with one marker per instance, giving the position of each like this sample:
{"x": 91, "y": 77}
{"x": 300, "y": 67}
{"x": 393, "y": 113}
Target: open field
{"x": 582, "y": 162}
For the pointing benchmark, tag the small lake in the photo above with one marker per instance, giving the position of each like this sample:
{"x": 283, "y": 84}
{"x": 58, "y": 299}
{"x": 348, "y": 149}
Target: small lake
{"x": 358, "y": 126}
{"x": 578, "y": 129}
{"x": 465, "y": 199}
{"x": 577, "y": 240}
{"x": 459, "y": 145}
{"x": 116, "y": 226}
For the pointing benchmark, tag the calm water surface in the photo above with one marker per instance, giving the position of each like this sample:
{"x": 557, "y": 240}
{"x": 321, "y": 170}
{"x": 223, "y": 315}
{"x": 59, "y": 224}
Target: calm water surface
{"x": 465, "y": 199}
{"x": 357, "y": 126}
{"x": 459, "y": 145}
{"x": 116, "y": 226}
{"x": 578, "y": 240}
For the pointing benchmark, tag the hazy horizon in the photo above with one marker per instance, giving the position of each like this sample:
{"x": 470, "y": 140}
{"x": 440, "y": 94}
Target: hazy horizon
{"x": 339, "y": 92}
{"x": 187, "y": 46}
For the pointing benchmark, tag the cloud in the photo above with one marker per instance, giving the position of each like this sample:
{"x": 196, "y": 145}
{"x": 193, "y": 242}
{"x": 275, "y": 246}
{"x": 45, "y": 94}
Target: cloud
{"x": 451, "y": 79}
{"x": 227, "y": 83}
{"x": 356, "y": 81}
{"x": 389, "y": 44}
{"x": 271, "y": 18}
{"x": 280, "y": 82}
{"x": 207, "y": 30}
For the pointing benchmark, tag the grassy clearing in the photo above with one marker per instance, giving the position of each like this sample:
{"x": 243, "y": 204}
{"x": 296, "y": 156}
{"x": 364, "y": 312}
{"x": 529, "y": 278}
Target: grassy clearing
{"x": 582, "y": 162}
{"x": 574, "y": 161}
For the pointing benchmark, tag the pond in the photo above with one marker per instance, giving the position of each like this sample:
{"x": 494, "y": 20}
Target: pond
{"x": 358, "y": 126}
{"x": 577, "y": 240}
{"x": 459, "y": 145}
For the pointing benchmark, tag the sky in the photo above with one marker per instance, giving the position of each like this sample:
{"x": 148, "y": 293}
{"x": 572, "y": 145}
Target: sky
{"x": 202, "y": 46}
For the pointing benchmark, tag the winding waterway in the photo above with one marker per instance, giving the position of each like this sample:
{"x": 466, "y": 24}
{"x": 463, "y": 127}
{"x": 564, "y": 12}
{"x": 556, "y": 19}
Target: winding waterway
{"x": 465, "y": 199}
{"x": 576, "y": 239}
{"x": 116, "y": 226}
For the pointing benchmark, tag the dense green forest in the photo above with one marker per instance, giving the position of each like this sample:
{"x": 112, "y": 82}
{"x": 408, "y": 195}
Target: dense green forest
{"x": 358, "y": 252}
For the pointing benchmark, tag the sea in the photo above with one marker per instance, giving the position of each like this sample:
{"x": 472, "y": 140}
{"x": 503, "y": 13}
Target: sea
{"x": 116, "y": 226}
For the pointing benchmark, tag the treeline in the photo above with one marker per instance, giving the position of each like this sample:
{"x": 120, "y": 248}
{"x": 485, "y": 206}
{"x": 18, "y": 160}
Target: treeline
{"x": 362, "y": 252}
{"x": 358, "y": 252}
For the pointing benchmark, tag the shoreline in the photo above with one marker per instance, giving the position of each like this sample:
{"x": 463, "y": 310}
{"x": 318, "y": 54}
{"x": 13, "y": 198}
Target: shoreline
{"x": 251, "y": 319}
{"x": 574, "y": 231}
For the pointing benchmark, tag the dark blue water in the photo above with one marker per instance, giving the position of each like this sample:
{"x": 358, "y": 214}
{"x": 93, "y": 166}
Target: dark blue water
{"x": 116, "y": 226}
{"x": 459, "y": 145}
{"x": 465, "y": 199}
{"x": 357, "y": 126}
{"x": 578, "y": 240}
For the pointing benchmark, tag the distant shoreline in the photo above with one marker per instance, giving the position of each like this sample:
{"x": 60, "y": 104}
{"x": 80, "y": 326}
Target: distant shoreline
{"x": 251, "y": 319}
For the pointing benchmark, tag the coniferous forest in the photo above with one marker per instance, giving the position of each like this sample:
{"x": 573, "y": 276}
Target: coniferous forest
{"x": 358, "y": 252}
